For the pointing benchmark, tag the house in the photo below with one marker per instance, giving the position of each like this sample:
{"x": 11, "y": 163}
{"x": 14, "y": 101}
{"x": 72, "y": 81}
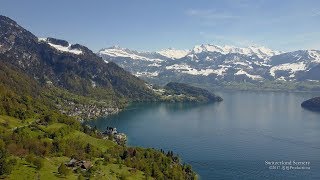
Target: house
{"x": 72, "y": 163}
{"x": 86, "y": 165}
{"x": 120, "y": 138}
{"x": 110, "y": 131}
{"x": 75, "y": 164}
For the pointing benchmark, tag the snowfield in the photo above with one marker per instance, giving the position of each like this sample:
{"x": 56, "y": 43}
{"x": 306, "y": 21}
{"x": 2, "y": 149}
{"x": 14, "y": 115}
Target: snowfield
{"x": 66, "y": 49}
{"x": 292, "y": 67}
{"x": 173, "y": 53}
{"x": 184, "y": 68}
{"x": 61, "y": 48}
{"x": 254, "y": 77}
{"x": 117, "y": 52}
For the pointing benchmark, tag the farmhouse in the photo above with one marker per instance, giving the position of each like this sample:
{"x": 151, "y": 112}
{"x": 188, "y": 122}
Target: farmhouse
{"x": 75, "y": 164}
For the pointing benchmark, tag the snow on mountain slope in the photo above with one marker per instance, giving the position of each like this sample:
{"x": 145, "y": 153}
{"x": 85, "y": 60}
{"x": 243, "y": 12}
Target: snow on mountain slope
{"x": 222, "y": 63}
{"x": 254, "y": 77}
{"x": 63, "y": 48}
{"x": 148, "y": 74}
{"x": 184, "y": 68}
{"x": 291, "y": 67}
{"x": 66, "y": 49}
{"x": 315, "y": 55}
{"x": 173, "y": 53}
{"x": 261, "y": 52}
{"x": 117, "y": 51}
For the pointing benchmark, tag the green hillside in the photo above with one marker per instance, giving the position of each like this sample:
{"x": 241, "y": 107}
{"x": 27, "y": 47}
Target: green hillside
{"x": 43, "y": 95}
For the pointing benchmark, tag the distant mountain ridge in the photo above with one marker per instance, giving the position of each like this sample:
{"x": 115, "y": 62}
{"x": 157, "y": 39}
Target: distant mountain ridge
{"x": 210, "y": 63}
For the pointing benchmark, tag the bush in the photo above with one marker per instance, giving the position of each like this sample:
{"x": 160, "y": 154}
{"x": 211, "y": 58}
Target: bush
{"x": 63, "y": 170}
{"x": 30, "y": 158}
{"x": 123, "y": 176}
{"x": 38, "y": 162}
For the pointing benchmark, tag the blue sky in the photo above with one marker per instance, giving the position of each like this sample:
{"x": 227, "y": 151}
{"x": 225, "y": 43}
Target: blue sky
{"x": 154, "y": 25}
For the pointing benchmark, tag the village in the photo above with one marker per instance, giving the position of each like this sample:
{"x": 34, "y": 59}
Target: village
{"x": 111, "y": 133}
{"x": 86, "y": 111}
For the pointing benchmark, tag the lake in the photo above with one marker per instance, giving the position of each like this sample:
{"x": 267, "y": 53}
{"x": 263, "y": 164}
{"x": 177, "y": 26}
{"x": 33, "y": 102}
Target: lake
{"x": 232, "y": 139}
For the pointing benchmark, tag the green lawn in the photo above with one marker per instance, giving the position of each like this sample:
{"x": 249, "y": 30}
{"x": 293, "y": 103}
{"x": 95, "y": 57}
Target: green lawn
{"x": 102, "y": 144}
{"x": 53, "y": 127}
{"x": 116, "y": 171}
{"x": 11, "y": 122}
{"x": 24, "y": 170}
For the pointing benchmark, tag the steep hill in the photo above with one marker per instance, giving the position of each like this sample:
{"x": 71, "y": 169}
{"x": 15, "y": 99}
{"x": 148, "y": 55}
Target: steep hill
{"x": 45, "y": 84}
{"x": 70, "y": 76}
{"x": 70, "y": 66}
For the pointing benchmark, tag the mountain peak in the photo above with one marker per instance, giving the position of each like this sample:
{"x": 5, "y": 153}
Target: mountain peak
{"x": 53, "y": 60}
{"x": 260, "y": 51}
{"x": 115, "y": 47}
{"x": 58, "y": 41}
{"x": 173, "y": 53}
{"x": 7, "y": 20}
{"x": 12, "y": 35}
{"x": 63, "y": 45}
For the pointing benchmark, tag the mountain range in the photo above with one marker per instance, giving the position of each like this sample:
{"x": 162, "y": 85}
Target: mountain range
{"x": 69, "y": 78}
{"x": 212, "y": 64}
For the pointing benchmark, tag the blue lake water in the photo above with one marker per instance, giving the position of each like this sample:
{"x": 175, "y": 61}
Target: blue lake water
{"x": 231, "y": 139}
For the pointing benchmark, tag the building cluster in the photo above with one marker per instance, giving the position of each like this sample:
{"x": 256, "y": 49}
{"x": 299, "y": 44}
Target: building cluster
{"x": 86, "y": 111}
{"x": 76, "y": 164}
{"x": 111, "y": 132}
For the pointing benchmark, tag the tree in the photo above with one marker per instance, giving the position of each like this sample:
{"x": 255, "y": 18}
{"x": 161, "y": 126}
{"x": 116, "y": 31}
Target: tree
{"x": 124, "y": 155}
{"x": 88, "y": 148}
{"x": 63, "y": 169}
{"x": 6, "y": 165}
{"x": 38, "y": 163}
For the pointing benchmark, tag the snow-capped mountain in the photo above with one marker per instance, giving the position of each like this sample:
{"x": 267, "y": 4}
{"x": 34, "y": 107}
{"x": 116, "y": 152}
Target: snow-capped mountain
{"x": 71, "y": 68}
{"x": 295, "y": 65}
{"x": 261, "y": 52}
{"x": 173, "y": 53}
{"x": 61, "y": 45}
{"x": 213, "y": 63}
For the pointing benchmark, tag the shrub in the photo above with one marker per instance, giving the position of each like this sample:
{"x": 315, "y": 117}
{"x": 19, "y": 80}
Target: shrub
{"x": 63, "y": 170}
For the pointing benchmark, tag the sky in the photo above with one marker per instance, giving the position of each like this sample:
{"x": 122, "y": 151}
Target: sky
{"x": 150, "y": 25}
